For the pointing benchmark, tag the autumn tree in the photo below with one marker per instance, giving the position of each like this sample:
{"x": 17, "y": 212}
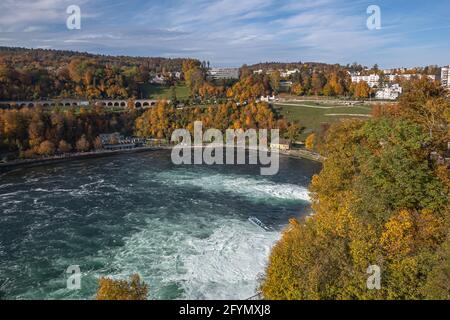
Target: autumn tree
{"x": 46, "y": 148}
{"x": 110, "y": 289}
{"x": 193, "y": 75}
{"x": 83, "y": 144}
{"x": 64, "y": 147}
{"x": 98, "y": 145}
{"x": 361, "y": 90}
{"x": 275, "y": 78}
{"x": 310, "y": 141}
{"x": 317, "y": 83}
{"x": 297, "y": 89}
{"x": 426, "y": 103}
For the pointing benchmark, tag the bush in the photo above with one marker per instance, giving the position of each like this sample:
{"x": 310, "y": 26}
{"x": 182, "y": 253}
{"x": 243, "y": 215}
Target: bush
{"x": 46, "y": 148}
{"x": 110, "y": 289}
{"x": 64, "y": 147}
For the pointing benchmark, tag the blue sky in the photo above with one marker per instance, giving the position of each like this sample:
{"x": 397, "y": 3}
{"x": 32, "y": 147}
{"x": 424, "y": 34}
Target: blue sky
{"x": 233, "y": 32}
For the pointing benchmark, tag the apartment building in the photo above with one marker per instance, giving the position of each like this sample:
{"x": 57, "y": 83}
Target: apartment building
{"x": 372, "y": 80}
{"x": 223, "y": 73}
{"x": 391, "y": 92}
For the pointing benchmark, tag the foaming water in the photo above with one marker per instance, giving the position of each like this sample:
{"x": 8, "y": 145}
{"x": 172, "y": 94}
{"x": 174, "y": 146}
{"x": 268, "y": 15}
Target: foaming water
{"x": 252, "y": 187}
{"x": 185, "y": 230}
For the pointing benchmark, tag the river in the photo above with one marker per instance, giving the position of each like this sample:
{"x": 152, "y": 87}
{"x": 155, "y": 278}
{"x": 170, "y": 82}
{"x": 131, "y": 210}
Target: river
{"x": 184, "y": 229}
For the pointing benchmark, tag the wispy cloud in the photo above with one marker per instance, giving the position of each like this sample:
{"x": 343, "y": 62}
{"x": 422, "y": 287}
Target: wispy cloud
{"x": 232, "y": 32}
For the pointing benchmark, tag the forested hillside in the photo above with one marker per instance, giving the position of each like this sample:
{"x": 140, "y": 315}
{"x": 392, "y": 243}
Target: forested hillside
{"x": 381, "y": 199}
{"x": 32, "y": 74}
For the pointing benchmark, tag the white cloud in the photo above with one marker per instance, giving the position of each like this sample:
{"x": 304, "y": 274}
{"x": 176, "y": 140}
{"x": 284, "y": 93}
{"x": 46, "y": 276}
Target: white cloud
{"x": 222, "y": 31}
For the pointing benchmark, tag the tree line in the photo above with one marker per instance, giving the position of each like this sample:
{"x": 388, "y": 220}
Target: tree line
{"x": 33, "y": 132}
{"x": 161, "y": 121}
{"x": 34, "y": 74}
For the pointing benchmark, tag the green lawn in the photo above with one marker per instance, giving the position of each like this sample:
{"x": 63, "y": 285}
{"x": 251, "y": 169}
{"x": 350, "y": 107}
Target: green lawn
{"x": 311, "y": 114}
{"x": 153, "y": 91}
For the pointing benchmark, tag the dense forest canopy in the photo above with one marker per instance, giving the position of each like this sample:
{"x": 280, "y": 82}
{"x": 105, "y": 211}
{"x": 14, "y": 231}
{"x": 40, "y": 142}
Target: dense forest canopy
{"x": 32, "y": 132}
{"x": 35, "y": 74}
{"x": 160, "y": 122}
{"x": 21, "y": 57}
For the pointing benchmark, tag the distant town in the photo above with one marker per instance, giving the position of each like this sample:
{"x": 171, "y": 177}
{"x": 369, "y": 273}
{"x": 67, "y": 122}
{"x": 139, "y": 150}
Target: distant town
{"x": 386, "y": 82}
{"x": 113, "y": 104}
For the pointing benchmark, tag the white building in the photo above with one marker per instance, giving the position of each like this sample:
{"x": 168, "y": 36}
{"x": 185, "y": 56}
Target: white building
{"x": 408, "y": 76}
{"x": 268, "y": 98}
{"x": 372, "y": 80}
{"x": 445, "y": 77}
{"x": 158, "y": 79}
{"x": 389, "y": 92}
{"x": 287, "y": 73}
{"x": 223, "y": 73}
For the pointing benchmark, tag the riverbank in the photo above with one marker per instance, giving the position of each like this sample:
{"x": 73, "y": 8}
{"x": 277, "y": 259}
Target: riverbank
{"x": 5, "y": 167}
{"x": 303, "y": 154}
{"x": 8, "y": 166}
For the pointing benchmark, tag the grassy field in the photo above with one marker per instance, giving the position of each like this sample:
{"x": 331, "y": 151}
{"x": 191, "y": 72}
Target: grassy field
{"x": 153, "y": 91}
{"x": 311, "y": 114}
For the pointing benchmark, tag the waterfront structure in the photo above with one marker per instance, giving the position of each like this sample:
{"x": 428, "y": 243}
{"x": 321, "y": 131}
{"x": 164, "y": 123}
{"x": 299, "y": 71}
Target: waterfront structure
{"x": 283, "y": 144}
{"x": 116, "y": 141}
{"x": 223, "y": 73}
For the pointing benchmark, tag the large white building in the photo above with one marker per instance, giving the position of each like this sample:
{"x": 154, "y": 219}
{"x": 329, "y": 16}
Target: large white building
{"x": 223, "y": 73}
{"x": 445, "y": 77}
{"x": 372, "y": 80}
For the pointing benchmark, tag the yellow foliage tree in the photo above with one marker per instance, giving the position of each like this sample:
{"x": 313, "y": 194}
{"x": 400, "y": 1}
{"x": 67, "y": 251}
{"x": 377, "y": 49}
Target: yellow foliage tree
{"x": 110, "y": 289}
{"x": 310, "y": 141}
